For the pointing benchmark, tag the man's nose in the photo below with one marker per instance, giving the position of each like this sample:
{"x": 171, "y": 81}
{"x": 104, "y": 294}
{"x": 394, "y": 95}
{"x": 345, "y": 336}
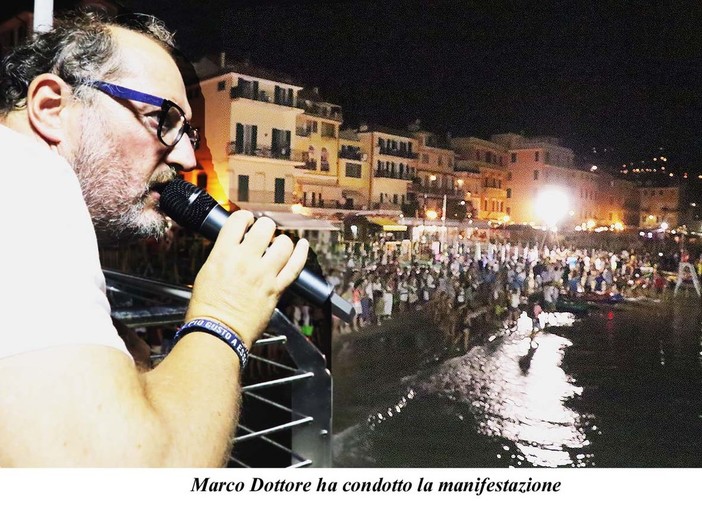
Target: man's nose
{"x": 182, "y": 154}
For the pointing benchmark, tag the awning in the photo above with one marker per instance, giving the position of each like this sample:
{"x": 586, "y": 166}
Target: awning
{"x": 352, "y": 194}
{"x": 388, "y": 224}
{"x": 296, "y": 222}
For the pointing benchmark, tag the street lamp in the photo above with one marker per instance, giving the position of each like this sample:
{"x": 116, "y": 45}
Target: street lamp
{"x": 551, "y": 206}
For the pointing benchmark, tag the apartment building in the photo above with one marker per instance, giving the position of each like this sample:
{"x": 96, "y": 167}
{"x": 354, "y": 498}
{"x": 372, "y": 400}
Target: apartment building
{"x": 660, "y": 204}
{"x": 317, "y": 131}
{"x": 539, "y": 166}
{"x": 436, "y": 179}
{"x": 482, "y": 166}
{"x": 354, "y": 171}
{"x": 393, "y": 160}
{"x": 250, "y": 154}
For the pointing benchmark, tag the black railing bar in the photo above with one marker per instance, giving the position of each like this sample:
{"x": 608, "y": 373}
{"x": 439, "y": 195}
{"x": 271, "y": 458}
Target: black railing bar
{"x": 274, "y": 363}
{"x": 271, "y": 340}
{"x": 276, "y": 405}
{"x": 277, "y": 382}
{"x": 270, "y": 430}
{"x": 150, "y": 285}
{"x": 301, "y": 459}
{"x": 239, "y": 462}
{"x": 135, "y": 294}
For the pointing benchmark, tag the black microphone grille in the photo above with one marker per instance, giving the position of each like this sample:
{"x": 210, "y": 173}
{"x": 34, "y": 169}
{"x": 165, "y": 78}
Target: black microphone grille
{"x": 185, "y": 203}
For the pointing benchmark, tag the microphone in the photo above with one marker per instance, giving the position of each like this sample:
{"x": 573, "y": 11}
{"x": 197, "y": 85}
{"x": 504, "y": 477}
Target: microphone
{"x": 193, "y": 208}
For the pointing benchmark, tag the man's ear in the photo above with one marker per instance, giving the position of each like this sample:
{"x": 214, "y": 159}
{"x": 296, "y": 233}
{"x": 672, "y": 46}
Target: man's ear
{"x": 47, "y": 97}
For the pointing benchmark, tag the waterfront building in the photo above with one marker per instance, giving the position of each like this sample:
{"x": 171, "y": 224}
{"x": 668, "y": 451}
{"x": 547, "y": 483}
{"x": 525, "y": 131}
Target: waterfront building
{"x": 660, "y": 199}
{"x": 354, "y": 171}
{"x": 436, "y": 182}
{"x": 250, "y": 154}
{"x": 317, "y": 131}
{"x": 484, "y": 163}
{"x": 393, "y": 160}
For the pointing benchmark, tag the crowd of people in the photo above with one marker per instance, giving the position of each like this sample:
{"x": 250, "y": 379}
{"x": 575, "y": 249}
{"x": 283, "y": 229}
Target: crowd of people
{"x": 488, "y": 283}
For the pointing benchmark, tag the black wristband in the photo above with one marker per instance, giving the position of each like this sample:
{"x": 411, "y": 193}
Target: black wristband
{"x": 221, "y": 331}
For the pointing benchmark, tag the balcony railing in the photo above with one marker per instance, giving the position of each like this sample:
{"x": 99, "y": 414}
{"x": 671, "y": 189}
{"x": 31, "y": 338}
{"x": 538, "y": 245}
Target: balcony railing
{"x": 324, "y": 166}
{"x": 396, "y": 152}
{"x": 259, "y": 96}
{"x": 302, "y": 131}
{"x": 331, "y": 113}
{"x": 283, "y": 153}
{"x": 286, "y": 389}
{"x": 436, "y": 190}
{"x": 384, "y": 174}
{"x": 353, "y": 155}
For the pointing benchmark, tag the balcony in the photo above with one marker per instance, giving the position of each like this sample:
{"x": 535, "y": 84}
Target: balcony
{"x": 309, "y": 164}
{"x": 384, "y": 174}
{"x": 331, "y": 113}
{"x": 396, "y": 152}
{"x": 283, "y": 153}
{"x": 352, "y": 155}
{"x": 324, "y": 166}
{"x": 302, "y": 131}
{"x": 437, "y": 190}
{"x": 259, "y": 96}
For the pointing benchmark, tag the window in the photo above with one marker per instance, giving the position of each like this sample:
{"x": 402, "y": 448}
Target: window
{"x": 514, "y": 157}
{"x": 279, "y": 193}
{"x": 353, "y": 170}
{"x": 283, "y": 96}
{"x": 221, "y": 85}
{"x": 311, "y": 126}
{"x": 509, "y": 176}
{"x": 394, "y": 198}
{"x": 477, "y": 155}
{"x": 243, "y": 190}
{"x": 536, "y": 156}
{"x": 425, "y": 158}
{"x": 246, "y": 139}
{"x": 328, "y": 130}
{"x": 509, "y": 192}
{"x": 441, "y": 160}
{"x": 536, "y": 175}
{"x": 509, "y": 210}
{"x": 280, "y": 143}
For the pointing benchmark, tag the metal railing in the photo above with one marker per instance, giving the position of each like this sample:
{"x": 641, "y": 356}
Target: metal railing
{"x": 285, "y": 419}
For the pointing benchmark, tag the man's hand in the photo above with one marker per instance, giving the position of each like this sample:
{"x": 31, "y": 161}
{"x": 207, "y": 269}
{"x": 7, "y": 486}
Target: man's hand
{"x": 245, "y": 275}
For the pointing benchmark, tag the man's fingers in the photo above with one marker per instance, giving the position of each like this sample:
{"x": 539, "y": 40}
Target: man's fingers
{"x": 236, "y": 226}
{"x": 278, "y": 253}
{"x": 294, "y": 265}
{"x": 259, "y": 236}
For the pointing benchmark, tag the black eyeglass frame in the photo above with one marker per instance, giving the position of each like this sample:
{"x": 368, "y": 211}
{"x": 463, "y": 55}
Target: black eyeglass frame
{"x": 125, "y": 93}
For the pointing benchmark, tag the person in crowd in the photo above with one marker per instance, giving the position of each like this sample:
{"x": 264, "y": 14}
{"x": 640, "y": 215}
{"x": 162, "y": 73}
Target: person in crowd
{"x": 95, "y": 114}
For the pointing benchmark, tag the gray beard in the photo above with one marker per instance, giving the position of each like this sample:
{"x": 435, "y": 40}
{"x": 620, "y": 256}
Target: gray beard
{"x": 119, "y": 211}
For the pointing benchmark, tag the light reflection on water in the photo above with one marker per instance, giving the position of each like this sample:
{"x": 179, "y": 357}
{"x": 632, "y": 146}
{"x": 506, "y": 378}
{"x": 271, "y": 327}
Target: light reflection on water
{"x": 519, "y": 394}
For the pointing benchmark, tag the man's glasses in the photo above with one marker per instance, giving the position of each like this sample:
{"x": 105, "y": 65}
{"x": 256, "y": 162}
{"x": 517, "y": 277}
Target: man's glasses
{"x": 171, "y": 119}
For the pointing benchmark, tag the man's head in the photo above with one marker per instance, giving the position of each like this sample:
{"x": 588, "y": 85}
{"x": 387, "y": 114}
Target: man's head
{"x": 93, "y": 90}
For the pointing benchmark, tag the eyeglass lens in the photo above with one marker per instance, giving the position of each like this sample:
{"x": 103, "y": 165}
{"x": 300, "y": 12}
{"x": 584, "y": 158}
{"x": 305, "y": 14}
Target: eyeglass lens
{"x": 173, "y": 126}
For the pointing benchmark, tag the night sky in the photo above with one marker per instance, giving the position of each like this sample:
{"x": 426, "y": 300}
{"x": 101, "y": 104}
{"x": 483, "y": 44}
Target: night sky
{"x": 622, "y": 75}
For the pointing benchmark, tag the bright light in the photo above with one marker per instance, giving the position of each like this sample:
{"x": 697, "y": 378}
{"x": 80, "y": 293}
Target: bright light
{"x": 590, "y": 224}
{"x": 664, "y": 226}
{"x": 463, "y": 202}
{"x": 460, "y": 183}
{"x": 505, "y": 218}
{"x": 551, "y": 205}
{"x": 354, "y": 231}
{"x": 431, "y": 214}
{"x": 618, "y": 226}
{"x": 432, "y": 177}
{"x": 296, "y": 208}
